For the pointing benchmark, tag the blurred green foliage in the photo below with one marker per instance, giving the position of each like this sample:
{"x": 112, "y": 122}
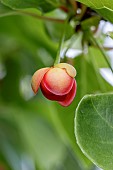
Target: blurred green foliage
{"x": 35, "y": 133}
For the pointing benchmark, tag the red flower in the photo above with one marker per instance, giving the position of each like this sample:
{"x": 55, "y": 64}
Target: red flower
{"x": 56, "y": 83}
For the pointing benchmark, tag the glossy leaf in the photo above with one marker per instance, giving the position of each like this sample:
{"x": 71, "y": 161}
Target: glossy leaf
{"x": 45, "y": 5}
{"x": 104, "y": 8}
{"x": 106, "y": 13}
{"x": 94, "y": 128}
{"x": 98, "y": 4}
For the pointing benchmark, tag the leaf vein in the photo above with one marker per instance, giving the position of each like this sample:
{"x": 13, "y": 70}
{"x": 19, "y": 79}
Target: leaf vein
{"x": 100, "y": 115}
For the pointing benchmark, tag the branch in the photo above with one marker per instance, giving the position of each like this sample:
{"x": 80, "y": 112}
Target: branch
{"x": 61, "y": 41}
{"x": 39, "y": 17}
{"x": 101, "y": 50}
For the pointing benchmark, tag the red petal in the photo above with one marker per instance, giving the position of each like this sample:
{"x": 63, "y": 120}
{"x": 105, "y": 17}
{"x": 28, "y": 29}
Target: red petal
{"x": 70, "y": 96}
{"x": 57, "y": 81}
{"x": 37, "y": 78}
{"x": 50, "y": 95}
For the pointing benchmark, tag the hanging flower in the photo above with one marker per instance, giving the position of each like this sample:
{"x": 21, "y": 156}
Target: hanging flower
{"x": 56, "y": 83}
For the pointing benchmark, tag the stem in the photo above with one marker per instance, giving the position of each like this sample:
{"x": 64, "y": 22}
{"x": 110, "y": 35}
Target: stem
{"x": 101, "y": 50}
{"x": 83, "y": 10}
{"x": 100, "y": 80}
{"x": 74, "y": 4}
{"x": 8, "y": 14}
{"x": 20, "y": 12}
{"x": 61, "y": 41}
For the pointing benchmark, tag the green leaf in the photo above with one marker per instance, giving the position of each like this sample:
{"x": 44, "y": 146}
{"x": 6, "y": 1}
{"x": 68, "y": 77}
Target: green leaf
{"x": 93, "y": 21}
{"x": 51, "y": 28}
{"x": 70, "y": 162}
{"x": 94, "y": 129}
{"x": 45, "y": 5}
{"x": 34, "y": 133}
{"x": 98, "y": 4}
{"x": 96, "y": 57}
{"x": 104, "y": 8}
{"x": 42, "y": 140}
{"x": 4, "y": 10}
{"x": 106, "y": 13}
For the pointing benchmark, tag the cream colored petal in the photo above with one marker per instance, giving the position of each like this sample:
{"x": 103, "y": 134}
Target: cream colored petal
{"x": 69, "y": 68}
{"x": 37, "y": 78}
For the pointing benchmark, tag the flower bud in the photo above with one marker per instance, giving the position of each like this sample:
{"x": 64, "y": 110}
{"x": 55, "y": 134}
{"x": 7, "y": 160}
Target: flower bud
{"x": 56, "y": 83}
